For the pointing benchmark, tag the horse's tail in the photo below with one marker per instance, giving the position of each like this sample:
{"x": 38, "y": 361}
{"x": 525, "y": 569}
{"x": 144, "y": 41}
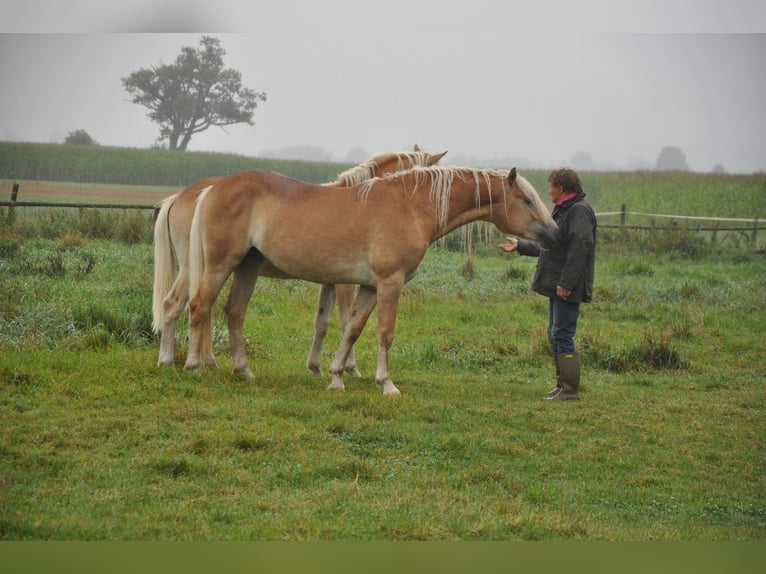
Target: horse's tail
{"x": 164, "y": 265}
{"x": 196, "y": 270}
{"x": 196, "y": 248}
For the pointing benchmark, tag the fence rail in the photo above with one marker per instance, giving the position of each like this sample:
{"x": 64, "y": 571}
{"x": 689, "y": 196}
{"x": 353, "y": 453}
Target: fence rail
{"x": 755, "y": 224}
{"x": 752, "y": 228}
{"x": 14, "y": 202}
{"x": 79, "y": 205}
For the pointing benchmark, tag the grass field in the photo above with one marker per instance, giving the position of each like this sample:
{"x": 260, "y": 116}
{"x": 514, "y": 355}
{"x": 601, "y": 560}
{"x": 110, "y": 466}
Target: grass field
{"x": 98, "y": 443}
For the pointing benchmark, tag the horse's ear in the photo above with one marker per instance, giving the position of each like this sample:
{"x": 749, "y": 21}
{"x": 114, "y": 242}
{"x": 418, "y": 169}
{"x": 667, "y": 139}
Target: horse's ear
{"x": 512, "y": 176}
{"x": 436, "y": 157}
{"x": 417, "y": 147}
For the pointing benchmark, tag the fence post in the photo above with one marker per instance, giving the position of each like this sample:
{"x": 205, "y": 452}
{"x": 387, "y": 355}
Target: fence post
{"x": 755, "y": 231}
{"x": 622, "y": 217}
{"x": 11, "y": 208}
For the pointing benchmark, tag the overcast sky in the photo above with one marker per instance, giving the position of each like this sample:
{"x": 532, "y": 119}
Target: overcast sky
{"x": 493, "y": 82}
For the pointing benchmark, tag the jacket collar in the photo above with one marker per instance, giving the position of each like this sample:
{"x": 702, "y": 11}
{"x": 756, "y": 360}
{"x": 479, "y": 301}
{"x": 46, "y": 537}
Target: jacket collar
{"x": 566, "y": 201}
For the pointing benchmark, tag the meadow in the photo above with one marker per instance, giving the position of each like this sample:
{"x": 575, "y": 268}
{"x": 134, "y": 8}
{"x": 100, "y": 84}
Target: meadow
{"x": 98, "y": 443}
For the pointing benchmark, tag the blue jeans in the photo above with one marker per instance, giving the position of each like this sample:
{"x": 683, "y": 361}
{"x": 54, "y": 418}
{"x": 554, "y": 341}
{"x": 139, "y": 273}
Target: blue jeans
{"x": 562, "y": 324}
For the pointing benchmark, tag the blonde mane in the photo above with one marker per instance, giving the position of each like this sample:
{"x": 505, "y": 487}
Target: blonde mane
{"x": 365, "y": 171}
{"x": 531, "y": 194}
{"x": 439, "y": 181}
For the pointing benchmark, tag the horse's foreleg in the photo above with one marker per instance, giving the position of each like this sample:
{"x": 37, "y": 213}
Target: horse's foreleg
{"x": 321, "y": 323}
{"x": 345, "y": 296}
{"x": 245, "y": 276}
{"x": 172, "y": 307}
{"x": 363, "y": 306}
{"x": 389, "y": 293}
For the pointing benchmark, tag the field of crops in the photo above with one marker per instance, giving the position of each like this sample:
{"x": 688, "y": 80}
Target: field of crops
{"x": 712, "y": 195}
{"x": 130, "y": 166}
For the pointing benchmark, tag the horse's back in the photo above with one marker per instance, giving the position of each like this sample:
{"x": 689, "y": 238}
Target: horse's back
{"x": 182, "y": 212}
{"x": 265, "y": 194}
{"x": 265, "y": 180}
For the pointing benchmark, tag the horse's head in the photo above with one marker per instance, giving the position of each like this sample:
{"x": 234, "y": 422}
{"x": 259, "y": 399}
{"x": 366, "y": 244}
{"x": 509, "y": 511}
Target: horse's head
{"x": 386, "y": 163}
{"x": 423, "y": 158}
{"x": 524, "y": 214}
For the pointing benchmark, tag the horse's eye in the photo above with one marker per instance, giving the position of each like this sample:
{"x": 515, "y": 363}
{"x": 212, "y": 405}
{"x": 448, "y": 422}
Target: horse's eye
{"x": 528, "y": 202}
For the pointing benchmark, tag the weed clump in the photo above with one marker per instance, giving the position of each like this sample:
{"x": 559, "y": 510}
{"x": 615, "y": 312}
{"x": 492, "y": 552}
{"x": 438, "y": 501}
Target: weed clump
{"x": 651, "y": 354}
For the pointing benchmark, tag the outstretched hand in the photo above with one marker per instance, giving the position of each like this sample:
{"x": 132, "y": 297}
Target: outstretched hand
{"x": 511, "y": 245}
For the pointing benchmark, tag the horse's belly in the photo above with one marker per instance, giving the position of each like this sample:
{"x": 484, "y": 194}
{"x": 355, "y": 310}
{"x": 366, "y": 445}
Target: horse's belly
{"x": 323, "y": 270}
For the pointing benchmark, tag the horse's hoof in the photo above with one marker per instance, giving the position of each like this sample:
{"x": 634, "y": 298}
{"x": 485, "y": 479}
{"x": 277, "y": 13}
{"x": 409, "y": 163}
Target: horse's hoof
{"x": 353, "y": 371}
{"x": 336, "y": 386}
{"x": 315, "y": 369}
{"x": 246, "y": 373}
{"x": 389, "y": 389}
{"x": 193, "y": 369}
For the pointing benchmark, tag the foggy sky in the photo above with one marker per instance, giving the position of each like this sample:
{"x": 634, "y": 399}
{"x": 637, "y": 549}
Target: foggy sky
{"x": 493, "y": 82}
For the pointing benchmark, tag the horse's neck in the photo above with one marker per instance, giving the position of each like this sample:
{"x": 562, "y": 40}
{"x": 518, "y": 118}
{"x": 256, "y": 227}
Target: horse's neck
{"x": 464, "y": 207}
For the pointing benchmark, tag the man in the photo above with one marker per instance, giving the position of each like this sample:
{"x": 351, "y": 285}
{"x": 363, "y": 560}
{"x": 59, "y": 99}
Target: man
{"x": 565, "y": 271}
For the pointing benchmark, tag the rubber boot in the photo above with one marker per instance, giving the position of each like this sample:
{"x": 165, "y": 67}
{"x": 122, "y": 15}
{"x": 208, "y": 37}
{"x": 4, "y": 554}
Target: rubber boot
{"x": 557, "y": 389}
{"x": 569, "y": 365}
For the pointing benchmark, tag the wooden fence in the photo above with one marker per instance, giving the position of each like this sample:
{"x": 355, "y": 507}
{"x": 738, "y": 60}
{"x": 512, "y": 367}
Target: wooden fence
{"x": 713, "y": 224}
{"x": 15, "y": 203}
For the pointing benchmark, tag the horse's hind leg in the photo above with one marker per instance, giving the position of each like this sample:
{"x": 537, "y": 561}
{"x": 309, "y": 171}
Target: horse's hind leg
{"x": 173, "y": 305}
{"x": 200, "y": 324}
{"x": 363, "y": 306}
{"x": 245, "y": 276}
{"x": 321, "y": 323}
{"x": 345, "y": 297}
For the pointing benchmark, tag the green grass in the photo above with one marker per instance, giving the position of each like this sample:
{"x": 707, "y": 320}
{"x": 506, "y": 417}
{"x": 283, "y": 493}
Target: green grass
{"x": 98, "y": 443}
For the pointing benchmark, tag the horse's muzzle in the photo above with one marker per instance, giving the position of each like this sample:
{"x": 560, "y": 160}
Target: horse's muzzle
{"x": 545, "y": 233}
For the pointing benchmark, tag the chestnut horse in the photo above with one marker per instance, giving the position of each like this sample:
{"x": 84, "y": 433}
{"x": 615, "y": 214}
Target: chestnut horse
{"x": 171, "y": 235}
{"x": 374, "y": 235}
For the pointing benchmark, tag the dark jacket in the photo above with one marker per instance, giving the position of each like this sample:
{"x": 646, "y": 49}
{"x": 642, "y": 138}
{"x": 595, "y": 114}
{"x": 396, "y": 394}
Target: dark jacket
{"x": 571, "y": 260}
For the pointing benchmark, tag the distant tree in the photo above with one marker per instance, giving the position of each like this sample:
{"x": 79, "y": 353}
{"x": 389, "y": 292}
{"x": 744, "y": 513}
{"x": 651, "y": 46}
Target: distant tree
{"x": 582, "y": 160}
{"x": 671, "y": 158}
{"x": 718, "y": 168}
{"x": 193, "y": 94}
{"x": 356, "y": 155}
{"x": 299, "y": 152}
{"x": 640, "y": 164}
{"x": 79, "y": 137}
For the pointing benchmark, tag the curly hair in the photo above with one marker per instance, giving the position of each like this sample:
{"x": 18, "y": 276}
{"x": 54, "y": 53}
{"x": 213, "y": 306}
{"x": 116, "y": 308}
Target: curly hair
{"x": 567, "y": 179}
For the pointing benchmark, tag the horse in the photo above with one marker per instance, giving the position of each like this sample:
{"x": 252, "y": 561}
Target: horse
{"x": 374, "y": 235}
{"x": 171, "y": 235}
